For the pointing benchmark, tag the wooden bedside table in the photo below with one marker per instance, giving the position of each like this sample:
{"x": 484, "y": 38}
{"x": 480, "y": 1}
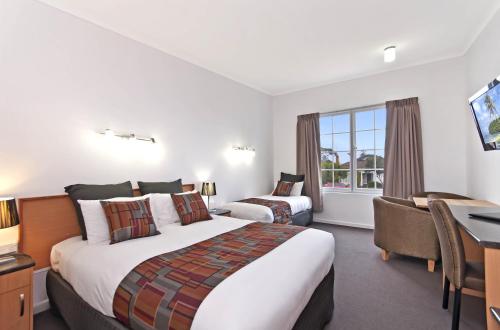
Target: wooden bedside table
{"x": 16, "y": 298}
{"x": 221, "y": 212}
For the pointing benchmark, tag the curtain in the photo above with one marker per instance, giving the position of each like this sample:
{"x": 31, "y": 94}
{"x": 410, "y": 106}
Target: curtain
{"x": 403, "y": 169}
{"x": 309, "y": 157}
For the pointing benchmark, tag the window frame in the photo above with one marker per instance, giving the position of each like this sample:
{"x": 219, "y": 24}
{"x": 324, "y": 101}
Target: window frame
{"x": 354, "y": 150}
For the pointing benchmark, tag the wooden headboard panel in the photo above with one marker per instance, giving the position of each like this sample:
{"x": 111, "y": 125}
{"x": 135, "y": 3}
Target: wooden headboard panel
{"x": 48, "y": 220}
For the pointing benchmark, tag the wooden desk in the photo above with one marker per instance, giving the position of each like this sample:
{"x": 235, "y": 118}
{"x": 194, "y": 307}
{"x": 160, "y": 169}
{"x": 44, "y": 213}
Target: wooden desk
{"x": 421, "y": 202}
{"x": 485, "y": 234}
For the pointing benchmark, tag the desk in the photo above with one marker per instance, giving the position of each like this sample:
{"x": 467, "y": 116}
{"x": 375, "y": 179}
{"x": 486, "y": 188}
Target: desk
{"x": 421, "y": 202}
{"x": 487, "y": 235}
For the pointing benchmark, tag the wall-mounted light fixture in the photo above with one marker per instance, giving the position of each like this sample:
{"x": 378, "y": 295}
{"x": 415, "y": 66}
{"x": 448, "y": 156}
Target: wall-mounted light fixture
{"x": 238, "y": 154}
{"x": 244, "y": 148}
{"x": 130, "y": 136}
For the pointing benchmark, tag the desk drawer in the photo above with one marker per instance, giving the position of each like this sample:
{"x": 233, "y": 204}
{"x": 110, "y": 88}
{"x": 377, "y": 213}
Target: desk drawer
{"x": 15, "y": 280}
{"x": 15, "y": 309}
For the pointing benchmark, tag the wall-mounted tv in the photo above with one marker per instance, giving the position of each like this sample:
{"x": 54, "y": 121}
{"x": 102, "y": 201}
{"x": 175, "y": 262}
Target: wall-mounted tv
{"x": 485, "y": 106}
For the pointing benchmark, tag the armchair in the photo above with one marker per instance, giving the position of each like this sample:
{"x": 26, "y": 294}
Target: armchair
{"x": 402, "y": 228}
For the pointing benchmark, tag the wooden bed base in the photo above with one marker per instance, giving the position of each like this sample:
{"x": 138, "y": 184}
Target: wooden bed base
{"x": 48, "y": 220}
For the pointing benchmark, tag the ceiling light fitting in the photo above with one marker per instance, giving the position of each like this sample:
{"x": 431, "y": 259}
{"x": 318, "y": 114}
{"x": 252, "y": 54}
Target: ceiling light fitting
{"x": 390, "y": 54}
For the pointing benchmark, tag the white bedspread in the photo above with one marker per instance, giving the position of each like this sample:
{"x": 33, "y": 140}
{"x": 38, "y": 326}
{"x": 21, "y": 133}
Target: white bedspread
{"x": 269, "y": 293}
{"x": 263, "y": 213}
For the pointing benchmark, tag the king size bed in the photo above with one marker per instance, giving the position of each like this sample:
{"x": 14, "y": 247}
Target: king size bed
{"x": 246, "y": 274}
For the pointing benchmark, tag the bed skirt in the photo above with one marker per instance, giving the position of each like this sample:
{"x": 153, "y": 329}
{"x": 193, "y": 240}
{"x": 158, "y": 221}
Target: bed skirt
{"x": 79, "y": 315}
{"x": 303, "y": 218}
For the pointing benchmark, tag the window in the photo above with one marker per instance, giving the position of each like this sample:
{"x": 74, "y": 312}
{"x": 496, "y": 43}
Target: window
{"x": 344, "y": 134}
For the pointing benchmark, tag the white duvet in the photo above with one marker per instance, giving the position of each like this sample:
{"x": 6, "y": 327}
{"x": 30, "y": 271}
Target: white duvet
{"x": 263, "y": 213}
{"x": 269, "y": 293}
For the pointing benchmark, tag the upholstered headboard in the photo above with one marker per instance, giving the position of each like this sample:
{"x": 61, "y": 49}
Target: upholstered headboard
{"x": 48, "y": 220}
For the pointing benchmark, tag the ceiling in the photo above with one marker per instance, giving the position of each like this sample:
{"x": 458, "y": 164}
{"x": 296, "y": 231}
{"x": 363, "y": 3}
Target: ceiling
{"x": 279, "y": 46}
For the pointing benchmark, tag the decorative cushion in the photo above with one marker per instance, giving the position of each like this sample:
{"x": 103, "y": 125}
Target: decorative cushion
{"x": 283, "y": 188}
{"x": 190, "y": 207}
{"x": 94, "y": 192}
{"x": 293, "y": 178}
{"x": 129, "y": 220}
{"x": 173, "y": 187}
{"x": 96, "y": 223}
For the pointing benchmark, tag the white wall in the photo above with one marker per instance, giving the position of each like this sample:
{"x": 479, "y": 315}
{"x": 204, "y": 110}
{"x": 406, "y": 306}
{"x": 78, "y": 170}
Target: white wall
{"x": 61, "y": 79}
{"x": 483, "y": 65}
{"x": 440, "y": 87}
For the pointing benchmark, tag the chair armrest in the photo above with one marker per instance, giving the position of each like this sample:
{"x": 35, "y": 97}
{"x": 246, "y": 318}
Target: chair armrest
{"x": 400, "y": 201}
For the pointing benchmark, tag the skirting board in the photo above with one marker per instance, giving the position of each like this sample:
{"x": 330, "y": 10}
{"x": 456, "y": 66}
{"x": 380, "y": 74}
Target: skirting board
{"x": 41, "y": 306}
{"x": 40, "y": 299}
{"x": 345, "y": 223}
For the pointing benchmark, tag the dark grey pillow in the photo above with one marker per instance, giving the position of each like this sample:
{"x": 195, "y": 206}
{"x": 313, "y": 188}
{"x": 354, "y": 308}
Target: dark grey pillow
{"x": 95, "y": 191}
{"x": 173, "y": 187}
{"x": 293, "y": 178}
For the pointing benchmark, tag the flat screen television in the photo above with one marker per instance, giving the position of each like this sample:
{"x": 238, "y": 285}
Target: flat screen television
{"x": 485, "y": 106}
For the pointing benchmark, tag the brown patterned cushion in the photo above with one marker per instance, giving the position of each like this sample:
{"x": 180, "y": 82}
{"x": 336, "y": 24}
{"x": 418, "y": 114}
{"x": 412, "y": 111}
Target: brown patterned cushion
{"x": 129, "y": 220}
{"x": 191, "y": 208}
{"x": 283, "y": 188}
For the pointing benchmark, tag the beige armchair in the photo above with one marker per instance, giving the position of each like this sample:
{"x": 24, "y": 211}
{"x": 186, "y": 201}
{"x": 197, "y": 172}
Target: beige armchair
{"x": 402, "y": 228}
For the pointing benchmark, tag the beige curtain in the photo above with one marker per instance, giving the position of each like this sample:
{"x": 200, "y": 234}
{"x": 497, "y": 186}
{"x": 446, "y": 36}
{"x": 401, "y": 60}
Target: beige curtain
{"x": 403, "y": 170}
{"x": 309, "y": 157}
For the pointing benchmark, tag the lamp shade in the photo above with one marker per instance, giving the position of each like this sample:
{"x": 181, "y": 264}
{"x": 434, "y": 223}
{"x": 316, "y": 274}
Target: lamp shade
{"x": 208, "y": 189}
{"x": 8, "y": 212}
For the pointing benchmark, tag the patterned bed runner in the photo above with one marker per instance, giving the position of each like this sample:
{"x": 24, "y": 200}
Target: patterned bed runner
{"x": 164, "y": 292}
{"x": 282, "y": 211}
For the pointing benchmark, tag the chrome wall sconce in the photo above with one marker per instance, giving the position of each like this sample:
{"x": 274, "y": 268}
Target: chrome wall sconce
{"x": 244, "y": 148}
{"x": 129, "y": 136}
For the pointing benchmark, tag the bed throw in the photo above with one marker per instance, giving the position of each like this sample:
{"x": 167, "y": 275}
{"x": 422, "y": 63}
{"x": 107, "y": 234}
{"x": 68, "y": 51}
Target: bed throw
{"x": 282, "y": 211}
{"x": 164, "y": 292}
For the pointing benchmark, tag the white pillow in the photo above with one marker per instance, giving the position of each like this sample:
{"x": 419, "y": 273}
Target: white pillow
{"x": 163, "y": 209}
{"x": 297, "y": 189}
{"x": 95, "y": 220}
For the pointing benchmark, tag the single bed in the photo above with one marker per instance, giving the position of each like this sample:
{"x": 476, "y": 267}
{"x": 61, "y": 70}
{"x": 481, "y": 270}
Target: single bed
{"x": 289, "y": 287}
{"x": 301, "y": 208}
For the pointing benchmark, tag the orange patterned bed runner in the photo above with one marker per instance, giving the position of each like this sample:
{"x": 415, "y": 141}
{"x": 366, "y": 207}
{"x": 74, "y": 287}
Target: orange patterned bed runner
{"x": 164, "y": 292}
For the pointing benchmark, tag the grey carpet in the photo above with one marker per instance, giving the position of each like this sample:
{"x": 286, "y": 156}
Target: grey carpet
{"x": 373, "y": 294}
{"x": 398, "y": 294}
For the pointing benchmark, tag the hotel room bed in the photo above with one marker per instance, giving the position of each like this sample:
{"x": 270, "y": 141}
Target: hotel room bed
{"x": 301, "y": 208}
{"x": 289, "y": 287}
{"x": 282, "y": 277}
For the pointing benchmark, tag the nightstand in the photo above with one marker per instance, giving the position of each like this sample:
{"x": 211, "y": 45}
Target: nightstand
{"x": 16, "y": 293}
{"x": 221, "y": 212}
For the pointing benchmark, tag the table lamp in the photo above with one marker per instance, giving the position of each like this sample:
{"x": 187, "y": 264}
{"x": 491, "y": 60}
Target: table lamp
{"x": 8, "y": 218}
{"x": 208, "y": 189}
